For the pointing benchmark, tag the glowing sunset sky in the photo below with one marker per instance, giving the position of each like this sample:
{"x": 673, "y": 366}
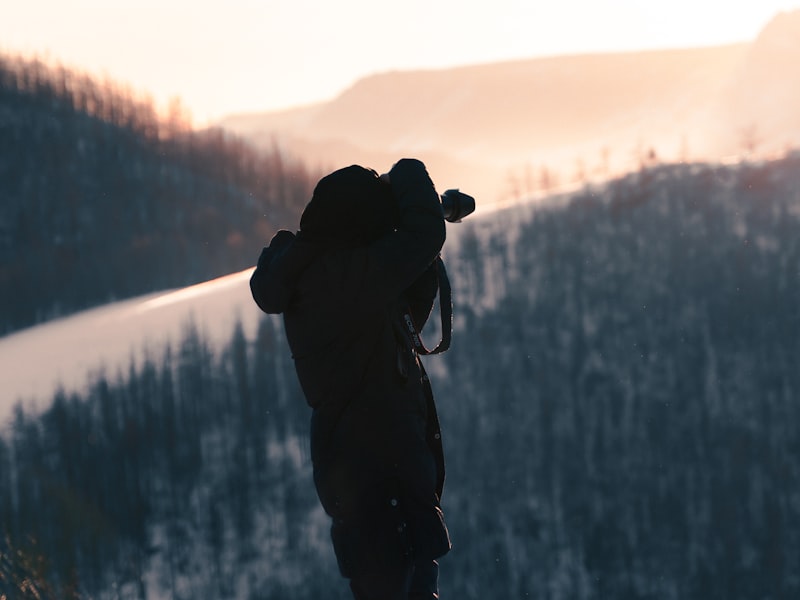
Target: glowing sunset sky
{"x": 253, "y": 55}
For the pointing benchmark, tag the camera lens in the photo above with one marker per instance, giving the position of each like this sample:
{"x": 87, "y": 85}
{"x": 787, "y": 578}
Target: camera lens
{"x": 456, "y": 205}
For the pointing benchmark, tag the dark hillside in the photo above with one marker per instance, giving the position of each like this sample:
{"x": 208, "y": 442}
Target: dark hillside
{"x": 619, "y": 408}
{"x": 101, "y": 199}
{"x": 623, "y": 411}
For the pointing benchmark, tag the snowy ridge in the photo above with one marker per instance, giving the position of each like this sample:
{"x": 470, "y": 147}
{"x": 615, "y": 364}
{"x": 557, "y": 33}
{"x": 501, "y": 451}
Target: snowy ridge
{"x": 65, "y": 352}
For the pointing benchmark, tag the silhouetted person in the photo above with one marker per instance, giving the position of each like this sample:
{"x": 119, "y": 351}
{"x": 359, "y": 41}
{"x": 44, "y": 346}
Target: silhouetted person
{"x": 363, "y": 256}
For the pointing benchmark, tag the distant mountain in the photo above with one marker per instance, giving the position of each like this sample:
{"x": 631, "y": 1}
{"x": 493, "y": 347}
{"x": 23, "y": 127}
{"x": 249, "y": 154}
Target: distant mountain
{"x": 476, "y": 126}
{"x": 765, "y": 89}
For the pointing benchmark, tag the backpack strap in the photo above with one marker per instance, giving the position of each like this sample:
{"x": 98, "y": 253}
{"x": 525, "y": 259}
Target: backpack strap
{"x": 413, "y": 333}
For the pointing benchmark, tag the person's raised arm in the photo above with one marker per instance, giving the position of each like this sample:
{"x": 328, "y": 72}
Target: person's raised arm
{"x": 405, "y": 254}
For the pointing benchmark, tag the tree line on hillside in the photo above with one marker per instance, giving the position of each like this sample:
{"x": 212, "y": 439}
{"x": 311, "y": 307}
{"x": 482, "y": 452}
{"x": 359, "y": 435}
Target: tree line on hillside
{"x": 619, "y": 410}
{"x": 104, "y": 199}
{"x": 633, "y": 429}
{"x": 186, "y": 474}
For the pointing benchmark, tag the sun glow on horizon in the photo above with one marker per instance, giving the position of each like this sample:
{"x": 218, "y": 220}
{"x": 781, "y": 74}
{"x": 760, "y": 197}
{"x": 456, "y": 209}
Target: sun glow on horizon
{"x": 257, "y": 56}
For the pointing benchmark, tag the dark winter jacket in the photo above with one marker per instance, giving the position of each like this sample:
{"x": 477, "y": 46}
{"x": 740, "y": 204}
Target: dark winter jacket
{"x": 375, "y": 442}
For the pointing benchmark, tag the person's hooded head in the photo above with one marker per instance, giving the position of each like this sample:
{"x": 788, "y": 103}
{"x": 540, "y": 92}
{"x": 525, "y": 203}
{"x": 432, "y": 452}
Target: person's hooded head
{"x": 349, "y": 206}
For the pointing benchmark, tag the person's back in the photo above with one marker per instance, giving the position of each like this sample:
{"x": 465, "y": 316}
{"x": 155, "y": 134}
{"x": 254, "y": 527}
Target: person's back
{"x": 365, "y": 254}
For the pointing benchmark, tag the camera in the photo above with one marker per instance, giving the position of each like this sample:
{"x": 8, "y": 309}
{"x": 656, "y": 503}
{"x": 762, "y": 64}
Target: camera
{"x": 456, "y": 205}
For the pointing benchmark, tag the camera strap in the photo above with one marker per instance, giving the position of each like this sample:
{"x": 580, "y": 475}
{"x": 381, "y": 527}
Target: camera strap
{"x": 445, "y": 311}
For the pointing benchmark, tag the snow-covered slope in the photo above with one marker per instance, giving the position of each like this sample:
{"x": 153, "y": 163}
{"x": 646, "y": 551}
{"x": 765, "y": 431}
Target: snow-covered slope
{"x": 35, "y": 361}
{"x": 66, "y": 352}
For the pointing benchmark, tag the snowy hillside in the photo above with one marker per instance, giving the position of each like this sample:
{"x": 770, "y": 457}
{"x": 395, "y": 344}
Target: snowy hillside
{"x": 619, "y": 413}
{"x": 67, "y": 352}
{"x": 35, "y": 361}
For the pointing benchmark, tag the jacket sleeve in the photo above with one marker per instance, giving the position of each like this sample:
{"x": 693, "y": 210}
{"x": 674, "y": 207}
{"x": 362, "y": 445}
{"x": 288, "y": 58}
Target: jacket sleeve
{"x": 402, "y": 256}
{"x": 270, "y": 290}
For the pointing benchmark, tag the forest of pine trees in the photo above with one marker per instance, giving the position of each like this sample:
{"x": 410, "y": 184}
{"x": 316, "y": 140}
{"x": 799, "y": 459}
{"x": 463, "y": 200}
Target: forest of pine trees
{"x": 619, "y": 409}
{"x": 101, "y": 198}
{"x": 641, "y": 402}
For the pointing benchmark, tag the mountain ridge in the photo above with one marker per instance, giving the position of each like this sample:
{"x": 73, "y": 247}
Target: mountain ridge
{"x": 569, "y": 113}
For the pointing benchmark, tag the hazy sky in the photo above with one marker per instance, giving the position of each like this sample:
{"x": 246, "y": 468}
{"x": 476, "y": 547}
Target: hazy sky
{"x": 251, "y": 55}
